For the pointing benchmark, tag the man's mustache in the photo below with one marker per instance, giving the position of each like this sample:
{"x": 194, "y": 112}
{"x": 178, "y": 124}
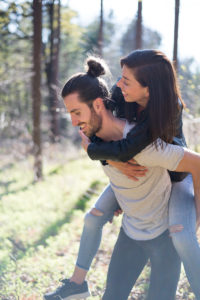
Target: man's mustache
{"x": 80, "y": 124}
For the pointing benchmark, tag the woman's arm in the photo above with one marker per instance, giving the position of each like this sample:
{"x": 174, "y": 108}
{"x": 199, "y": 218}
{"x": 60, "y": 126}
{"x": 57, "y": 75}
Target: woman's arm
{"x": 131, "y": 168}
{"x": 122, "y": 150}
{"x": 137, "y": 139}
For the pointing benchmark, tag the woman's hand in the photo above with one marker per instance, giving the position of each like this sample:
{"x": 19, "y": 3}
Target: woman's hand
{"x": 85, "y": 140}
{"x": 116, "y": 214}
{"x": 130, "y": 168}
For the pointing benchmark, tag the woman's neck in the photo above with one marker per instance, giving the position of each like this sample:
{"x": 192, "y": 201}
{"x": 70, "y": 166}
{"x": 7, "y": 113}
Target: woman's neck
{"x": 139, "y": 110}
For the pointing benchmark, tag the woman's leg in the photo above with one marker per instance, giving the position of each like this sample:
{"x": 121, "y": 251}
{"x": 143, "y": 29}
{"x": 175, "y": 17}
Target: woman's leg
{"x": 95, "y": 219}
{"x": 127, "y": 262}
{"x": 182, "y": 225}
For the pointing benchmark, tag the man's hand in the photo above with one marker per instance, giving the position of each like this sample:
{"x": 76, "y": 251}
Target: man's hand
{"x": 85, "y": 140}
{"x": 131, "y": 169}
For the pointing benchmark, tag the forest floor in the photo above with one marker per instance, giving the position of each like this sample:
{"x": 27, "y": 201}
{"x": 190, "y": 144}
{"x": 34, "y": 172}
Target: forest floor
{"x": 41, "y": 223}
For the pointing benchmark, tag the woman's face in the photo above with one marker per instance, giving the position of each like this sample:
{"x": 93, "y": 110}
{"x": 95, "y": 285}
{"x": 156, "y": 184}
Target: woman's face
{"x": 132, "y": 90}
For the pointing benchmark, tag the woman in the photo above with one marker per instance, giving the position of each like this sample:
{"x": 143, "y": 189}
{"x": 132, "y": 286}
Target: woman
{"x": 146, "y": 124}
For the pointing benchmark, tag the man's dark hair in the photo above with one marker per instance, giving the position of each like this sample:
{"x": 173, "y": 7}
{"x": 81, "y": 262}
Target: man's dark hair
{"x": 89, "y": 85}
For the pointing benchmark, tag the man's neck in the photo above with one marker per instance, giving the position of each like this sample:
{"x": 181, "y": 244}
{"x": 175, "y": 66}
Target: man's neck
{"x": 112, "y": 128}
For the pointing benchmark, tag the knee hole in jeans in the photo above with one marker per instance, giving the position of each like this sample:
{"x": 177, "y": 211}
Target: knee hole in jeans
{"x": 96, "y": 212}
{"x": 91, "y": 219}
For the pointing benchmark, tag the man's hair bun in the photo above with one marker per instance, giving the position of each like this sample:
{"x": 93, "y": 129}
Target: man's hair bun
{"x": 95, "y": 67}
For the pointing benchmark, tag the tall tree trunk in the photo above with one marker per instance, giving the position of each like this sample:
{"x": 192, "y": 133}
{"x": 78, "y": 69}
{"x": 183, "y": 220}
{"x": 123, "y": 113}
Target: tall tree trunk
{"x": 100, "y": 36}
{"x": 176, "y": 23}
{"x": 53, "y": 67}
{"x": 36, "y": 94}
{"x": 138, "y": 36}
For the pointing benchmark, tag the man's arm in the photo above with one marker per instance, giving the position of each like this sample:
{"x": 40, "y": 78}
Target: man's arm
{"x": 191, "y": 163}
{"x": 174, "y": 158}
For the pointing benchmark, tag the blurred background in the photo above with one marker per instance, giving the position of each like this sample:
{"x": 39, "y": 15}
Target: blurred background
{"x": 47, "y": 181}
{"x": 44, "y": 42}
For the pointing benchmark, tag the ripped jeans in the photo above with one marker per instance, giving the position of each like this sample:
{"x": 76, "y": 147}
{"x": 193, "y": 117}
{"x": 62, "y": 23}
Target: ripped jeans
{"x": 93, "y": 225}
{"x": 181, "y": 211}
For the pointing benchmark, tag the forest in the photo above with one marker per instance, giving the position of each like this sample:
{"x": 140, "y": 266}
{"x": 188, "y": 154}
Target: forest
{"x": 41, "y": 160}
{"x": 41, "y": 46}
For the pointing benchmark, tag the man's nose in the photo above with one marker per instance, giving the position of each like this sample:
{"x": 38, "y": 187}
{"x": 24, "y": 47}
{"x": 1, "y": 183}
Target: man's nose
{"x": 74, "y": 121}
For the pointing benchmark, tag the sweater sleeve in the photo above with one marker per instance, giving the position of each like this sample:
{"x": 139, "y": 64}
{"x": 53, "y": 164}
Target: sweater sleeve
{"x": 122, "y": 150}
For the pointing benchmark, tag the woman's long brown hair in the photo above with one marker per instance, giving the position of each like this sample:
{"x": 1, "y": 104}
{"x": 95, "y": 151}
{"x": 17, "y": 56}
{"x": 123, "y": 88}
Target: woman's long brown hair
{"x": 154, "y": 70}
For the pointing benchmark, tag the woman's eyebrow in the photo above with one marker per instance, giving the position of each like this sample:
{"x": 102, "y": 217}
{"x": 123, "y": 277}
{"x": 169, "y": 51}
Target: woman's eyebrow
{"x": 126, "y": 78}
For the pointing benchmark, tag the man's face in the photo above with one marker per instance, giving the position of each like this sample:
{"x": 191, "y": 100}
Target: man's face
{"x": 82, "y": 115}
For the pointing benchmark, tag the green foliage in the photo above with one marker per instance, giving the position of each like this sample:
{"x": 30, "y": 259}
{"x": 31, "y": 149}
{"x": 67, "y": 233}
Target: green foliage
{"x": 15, "y": 66}
{"x": 71, "y": 55}
{"x": 83, "y": 199}
{"x": 35, "y": 232}
{"x": 189, "y": 80}
{"x": 41, "y": 225}
{"x": 151, "y": 39}
{"x": 76, "y": 43}
{"x": 90, "y": 37}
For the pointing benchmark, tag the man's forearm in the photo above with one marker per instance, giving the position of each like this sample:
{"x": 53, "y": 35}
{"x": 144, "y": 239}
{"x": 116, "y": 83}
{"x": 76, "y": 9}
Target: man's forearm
{"x": 191, "y": 163}
{"x": 196, "y": 182}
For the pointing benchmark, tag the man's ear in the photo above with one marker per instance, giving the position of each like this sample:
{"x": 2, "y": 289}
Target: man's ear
{"x": 98, "y": 105}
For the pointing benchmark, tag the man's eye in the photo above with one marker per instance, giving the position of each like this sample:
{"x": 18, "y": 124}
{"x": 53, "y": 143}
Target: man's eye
{"x": 77, "y": 113}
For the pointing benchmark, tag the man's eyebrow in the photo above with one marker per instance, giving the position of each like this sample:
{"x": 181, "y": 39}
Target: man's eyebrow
{"x": 73, "y": 110}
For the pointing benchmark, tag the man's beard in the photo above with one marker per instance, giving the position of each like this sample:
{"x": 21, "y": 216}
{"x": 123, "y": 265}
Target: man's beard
{"x": 94, "y": 125}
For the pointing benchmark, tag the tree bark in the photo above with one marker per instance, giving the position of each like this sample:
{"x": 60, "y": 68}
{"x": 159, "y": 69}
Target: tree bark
{"x": 138, "y": 37}
{"x": 36, "y": 93}
{"x": 100, "y": 36}
{"x": 176, "y": 24}
{"x": 53, "y": 67}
